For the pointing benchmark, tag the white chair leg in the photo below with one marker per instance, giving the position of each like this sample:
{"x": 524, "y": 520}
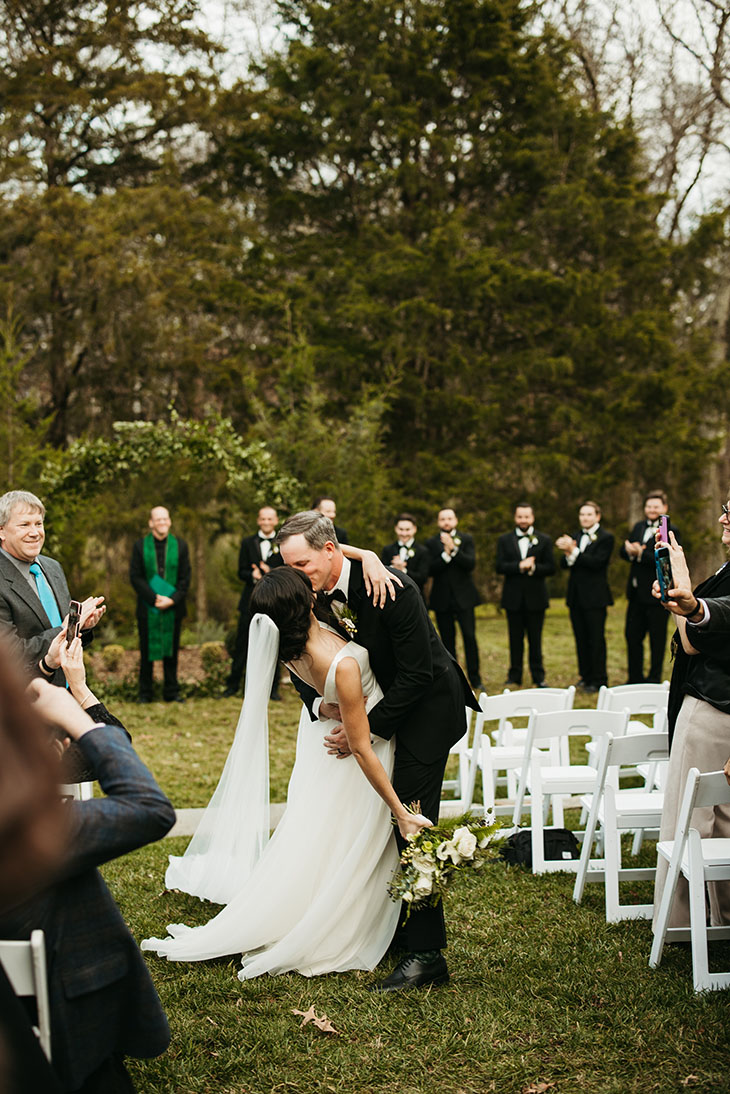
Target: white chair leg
{"x": 662, "y": 919}
{"x": 638, "y": 841}
{"x": 612, "y": 856}
{"x": 558, "y": 814}
{"x": 698, "y": 913}
{"x": 538, "y": 843}
{"x": 585, "y": 851}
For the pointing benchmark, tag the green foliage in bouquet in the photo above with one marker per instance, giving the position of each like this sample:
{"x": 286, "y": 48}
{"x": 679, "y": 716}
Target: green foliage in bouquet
{"x": 434, "y": 855}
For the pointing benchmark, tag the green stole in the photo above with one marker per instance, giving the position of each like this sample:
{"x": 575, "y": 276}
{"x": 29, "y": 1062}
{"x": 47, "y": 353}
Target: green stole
{"x": 160, "y": 624}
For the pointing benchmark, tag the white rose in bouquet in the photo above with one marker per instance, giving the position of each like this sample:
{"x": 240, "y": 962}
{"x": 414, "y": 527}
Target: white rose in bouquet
{"x": 465, "y": 842}
{"x": 423, "y": 886}
{"x": 423, "y": 863}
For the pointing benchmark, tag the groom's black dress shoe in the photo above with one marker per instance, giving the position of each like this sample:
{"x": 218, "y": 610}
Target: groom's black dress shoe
{"x": 414, "y": 973}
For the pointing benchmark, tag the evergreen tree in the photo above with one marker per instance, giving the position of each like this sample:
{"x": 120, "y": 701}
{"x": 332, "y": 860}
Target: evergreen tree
{"x": 447, "y": 220}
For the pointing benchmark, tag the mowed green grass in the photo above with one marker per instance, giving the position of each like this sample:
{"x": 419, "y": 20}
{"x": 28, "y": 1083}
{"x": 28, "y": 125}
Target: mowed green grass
{"x": 544, "y": 996}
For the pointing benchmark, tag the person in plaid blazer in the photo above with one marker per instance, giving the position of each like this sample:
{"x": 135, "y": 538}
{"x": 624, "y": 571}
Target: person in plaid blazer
{"x": 104, "y": 1005}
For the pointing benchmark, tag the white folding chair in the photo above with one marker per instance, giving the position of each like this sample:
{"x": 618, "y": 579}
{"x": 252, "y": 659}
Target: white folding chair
{"x": 549, "y": 780}
{"x": 615, "y": 811}
{"x": 511, "y": 738}
{"x": 461, "y": 787}
{"x": 699, "y": 861}
{"x": 492, "y": 758}
{"x": 25, "y": 967}
{"x": 638, "y": 699}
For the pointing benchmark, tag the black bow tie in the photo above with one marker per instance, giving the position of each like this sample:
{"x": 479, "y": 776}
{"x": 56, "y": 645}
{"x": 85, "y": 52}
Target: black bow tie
{"x": 336, "y": 595}
{"x": 652, "y": 524}
{"x": 267, "y": 538}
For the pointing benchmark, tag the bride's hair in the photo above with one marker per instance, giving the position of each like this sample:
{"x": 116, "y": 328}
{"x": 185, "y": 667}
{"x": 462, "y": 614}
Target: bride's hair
{"x": 286, "y": 596}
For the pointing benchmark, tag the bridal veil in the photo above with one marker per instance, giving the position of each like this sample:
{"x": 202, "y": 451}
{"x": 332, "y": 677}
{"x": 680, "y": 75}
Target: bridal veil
{"x": 234, "y": 828}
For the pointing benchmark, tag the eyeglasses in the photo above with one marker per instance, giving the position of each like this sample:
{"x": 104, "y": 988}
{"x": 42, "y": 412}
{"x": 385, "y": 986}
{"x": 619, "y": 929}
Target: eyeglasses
{"x": 725, "y": 510}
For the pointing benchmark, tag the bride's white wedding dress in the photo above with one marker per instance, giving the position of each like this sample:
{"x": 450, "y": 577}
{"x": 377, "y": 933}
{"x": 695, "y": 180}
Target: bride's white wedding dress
{"x": 315, "y": 900}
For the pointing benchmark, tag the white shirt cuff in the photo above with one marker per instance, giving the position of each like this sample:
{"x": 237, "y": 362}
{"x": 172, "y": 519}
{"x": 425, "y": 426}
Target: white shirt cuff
{"x": 705, "y": 614}
{"x": 573, "y": 556}
{"x": 316, "y": 705}
{"x": 446, "y": 556}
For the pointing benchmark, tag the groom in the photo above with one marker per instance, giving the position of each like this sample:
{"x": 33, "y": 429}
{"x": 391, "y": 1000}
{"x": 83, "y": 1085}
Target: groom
{"x": 422, "y": 707}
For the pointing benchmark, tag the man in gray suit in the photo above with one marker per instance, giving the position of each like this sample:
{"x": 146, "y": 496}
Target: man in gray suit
{"x": 34, "y": 595}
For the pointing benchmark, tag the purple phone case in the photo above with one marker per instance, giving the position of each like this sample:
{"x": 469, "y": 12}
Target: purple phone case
{"x": 664, "y": 530}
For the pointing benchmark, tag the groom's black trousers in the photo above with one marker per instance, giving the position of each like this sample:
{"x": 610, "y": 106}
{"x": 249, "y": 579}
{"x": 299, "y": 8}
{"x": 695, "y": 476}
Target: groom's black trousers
{"x": 415, "y": 781}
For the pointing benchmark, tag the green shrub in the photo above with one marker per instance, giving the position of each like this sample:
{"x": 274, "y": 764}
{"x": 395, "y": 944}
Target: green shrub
{"x": 111, "y": 657}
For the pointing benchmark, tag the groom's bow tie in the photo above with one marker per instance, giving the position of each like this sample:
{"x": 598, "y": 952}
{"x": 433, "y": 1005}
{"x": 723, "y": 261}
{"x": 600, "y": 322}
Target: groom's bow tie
{"x": 338, "y": 594}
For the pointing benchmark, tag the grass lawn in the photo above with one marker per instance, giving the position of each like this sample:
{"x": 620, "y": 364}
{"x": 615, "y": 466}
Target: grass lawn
{"x": 544, "y": 996}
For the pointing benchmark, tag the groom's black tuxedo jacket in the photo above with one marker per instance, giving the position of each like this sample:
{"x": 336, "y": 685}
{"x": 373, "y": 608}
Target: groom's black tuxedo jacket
{"x": 425, "y": 691}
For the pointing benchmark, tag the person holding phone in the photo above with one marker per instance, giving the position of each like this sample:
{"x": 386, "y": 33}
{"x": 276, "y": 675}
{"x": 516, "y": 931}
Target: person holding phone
{"x": 34, "y": 596}
{"x": 644, "y": 616}
{"x": 698, "y": 713}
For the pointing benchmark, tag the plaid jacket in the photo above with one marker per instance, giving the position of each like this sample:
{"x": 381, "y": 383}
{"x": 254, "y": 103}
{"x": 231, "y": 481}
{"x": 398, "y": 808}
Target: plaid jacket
{"x": 102, "y": 997}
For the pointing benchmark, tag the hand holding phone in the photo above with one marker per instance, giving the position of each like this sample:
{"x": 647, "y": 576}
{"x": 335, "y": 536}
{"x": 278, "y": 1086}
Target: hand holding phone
{"x": 74, "y": 620}
{"x": 661, "y": 558}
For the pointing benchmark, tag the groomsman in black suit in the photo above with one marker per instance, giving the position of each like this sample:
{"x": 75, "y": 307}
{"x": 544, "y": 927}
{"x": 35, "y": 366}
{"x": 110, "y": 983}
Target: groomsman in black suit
{"x": 405, "y": 554}
{"x": 587, "y": 554}
{"x": 422, "y": 709}
{"x": 325, "y": 504}
{"x": 453, "y": 593}
{"x": 259, "y": 553}
{"x": 525, "y": 557}
{"x": 644, "y": 614}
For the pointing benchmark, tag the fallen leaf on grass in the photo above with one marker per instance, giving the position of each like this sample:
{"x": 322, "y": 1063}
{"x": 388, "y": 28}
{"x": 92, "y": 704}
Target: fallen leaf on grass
{"x": 537, "y": 1088}
{"x": 322, "y": 1023}
{"x": 690, "y": 1079}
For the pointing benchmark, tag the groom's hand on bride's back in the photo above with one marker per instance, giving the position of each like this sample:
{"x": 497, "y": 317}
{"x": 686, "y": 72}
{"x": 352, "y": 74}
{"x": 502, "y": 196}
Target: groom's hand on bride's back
{"x": 329, "y": 712}
{"x": 336, "y": 741}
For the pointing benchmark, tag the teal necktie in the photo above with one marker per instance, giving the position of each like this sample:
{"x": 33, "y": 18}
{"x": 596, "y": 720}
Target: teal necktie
{"x": 45, "y": 594}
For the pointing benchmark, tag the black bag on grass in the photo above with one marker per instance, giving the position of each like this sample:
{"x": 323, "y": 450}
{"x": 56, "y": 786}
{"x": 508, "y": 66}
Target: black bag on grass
{"x": 557, "y": 842}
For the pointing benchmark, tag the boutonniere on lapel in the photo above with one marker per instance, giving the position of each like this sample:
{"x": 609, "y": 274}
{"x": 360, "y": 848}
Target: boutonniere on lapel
{"x": 593, "y": 537}
{"x": 275, "y": 549}
{"x": 346, "y": 617}
{"x": 410, "y": 553}
{"x": 457, "y": 540}
{"x": 532, "y": 541}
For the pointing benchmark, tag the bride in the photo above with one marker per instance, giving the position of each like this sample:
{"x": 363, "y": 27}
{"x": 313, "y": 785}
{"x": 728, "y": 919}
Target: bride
{"x": 313, "y": 899}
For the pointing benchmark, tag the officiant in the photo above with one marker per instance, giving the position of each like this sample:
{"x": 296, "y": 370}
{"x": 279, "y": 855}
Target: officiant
{"x": 160, "y": 574}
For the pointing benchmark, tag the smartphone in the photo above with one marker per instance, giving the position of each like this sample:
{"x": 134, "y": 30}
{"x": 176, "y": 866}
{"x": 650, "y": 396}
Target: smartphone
{"x": 74, "y": 619}
{"x": 664, "y": 529}
{"x": 663, "y": 571}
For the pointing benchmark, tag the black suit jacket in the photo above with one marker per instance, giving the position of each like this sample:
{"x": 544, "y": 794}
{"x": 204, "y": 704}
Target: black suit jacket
{"x": 418, "y": 567}
{"x": 521, "y": 590}
{"x": 453, "y": 587}
{"x": 142, "y": 587}
{"x": 588, "y": 583}
{"x": 642, "y": 574}
{"x": 424, "y": 690}
{"x": 717, "y": 626}
{"x": 248, "y": 556}
{"x": 23, "y": 620}
{"x": 102, "y": 998}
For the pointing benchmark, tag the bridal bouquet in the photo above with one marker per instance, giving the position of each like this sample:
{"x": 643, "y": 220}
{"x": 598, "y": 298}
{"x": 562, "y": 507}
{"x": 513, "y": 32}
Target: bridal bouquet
{"x": 433, "y": 856}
